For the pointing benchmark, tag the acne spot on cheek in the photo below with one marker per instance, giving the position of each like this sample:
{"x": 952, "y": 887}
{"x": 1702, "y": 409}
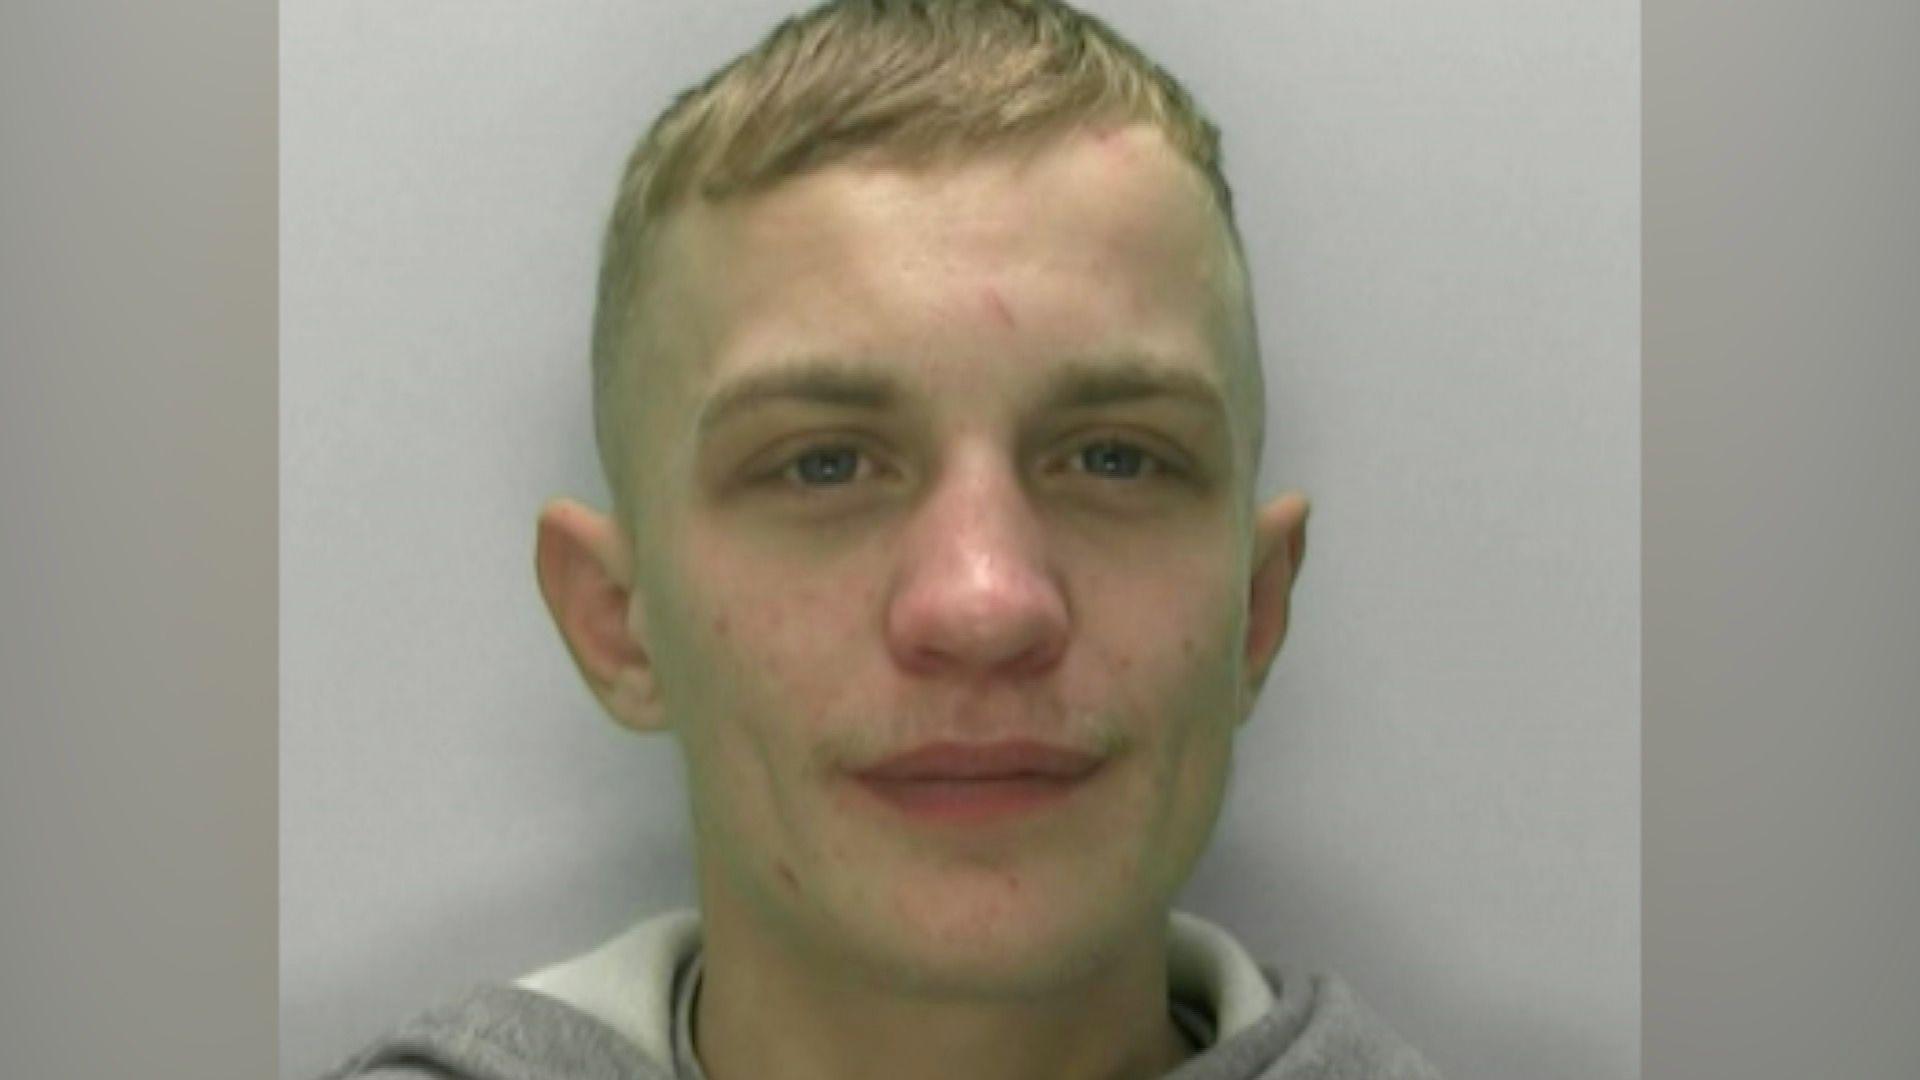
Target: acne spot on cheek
{"x": 721, "y": 627}
{"x": 1186, "y": 646}
{"x": 998, "y": 305}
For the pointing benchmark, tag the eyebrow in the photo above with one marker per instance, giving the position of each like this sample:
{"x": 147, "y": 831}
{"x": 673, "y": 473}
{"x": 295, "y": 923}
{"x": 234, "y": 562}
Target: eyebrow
{"x": 819, "y": 380}
{"x": 1081, "y": 384}
{"x": 1074, "y": 384}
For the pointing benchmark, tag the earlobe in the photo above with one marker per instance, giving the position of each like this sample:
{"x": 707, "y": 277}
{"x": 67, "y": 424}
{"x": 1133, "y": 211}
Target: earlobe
{"x": 584, "y": 565}
{"x": 1279, "y": 547}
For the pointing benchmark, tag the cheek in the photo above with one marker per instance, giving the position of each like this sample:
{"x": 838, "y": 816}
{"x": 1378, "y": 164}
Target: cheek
{"x": 769, "y": 650}
{"x": 1171, "y": 630}
{"x": 799, "y": 641}
{"x": 1169, "y": 661}
{"x": 754, "y": 696}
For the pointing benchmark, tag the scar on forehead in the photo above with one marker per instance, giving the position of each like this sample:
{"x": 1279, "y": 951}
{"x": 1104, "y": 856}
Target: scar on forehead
{"x": 998, "y": 304}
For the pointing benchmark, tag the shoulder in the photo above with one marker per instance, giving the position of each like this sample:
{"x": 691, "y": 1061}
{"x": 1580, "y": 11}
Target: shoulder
{"x": 496, "y": 1032}
{"x": 1328, "y": 1031}
{"x": 1278, "y": 1022}
{"x": 607, "y": 1013}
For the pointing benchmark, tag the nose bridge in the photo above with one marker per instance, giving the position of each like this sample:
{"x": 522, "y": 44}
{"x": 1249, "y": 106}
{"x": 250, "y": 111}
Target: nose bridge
{"x": 978, "y": 515}
{"x": 974, "y": 586}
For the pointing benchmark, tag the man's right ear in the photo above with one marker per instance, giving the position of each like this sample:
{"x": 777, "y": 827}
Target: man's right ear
{"x": 585, "y": 567}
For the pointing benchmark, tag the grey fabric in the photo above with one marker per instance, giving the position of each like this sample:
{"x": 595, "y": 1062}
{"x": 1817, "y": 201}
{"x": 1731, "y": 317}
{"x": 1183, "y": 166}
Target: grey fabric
{"x": 1316, "y": 1030}
{"x": 501, "y": 1033}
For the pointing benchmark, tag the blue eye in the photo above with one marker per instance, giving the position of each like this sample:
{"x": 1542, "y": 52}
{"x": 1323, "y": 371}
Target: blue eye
{"x": 826, "y": 466}
{"x": 1115, "y": 460}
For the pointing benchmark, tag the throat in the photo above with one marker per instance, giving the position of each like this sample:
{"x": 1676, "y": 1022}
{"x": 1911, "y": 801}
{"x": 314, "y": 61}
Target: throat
{"x": 946, "y": 1048}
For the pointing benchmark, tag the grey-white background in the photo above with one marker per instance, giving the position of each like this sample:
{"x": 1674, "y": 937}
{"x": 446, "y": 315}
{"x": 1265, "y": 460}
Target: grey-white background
{"x": 1440, "y": 797}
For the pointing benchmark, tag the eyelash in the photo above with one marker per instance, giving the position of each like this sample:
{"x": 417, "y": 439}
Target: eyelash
{"x": 864, "y": 463}
{"x": 1152, "y": 465}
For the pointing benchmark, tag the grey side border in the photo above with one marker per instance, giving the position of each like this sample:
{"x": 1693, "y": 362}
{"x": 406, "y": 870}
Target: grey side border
{"x": 138, "y": 663}
{"x": 1782, "y": 517}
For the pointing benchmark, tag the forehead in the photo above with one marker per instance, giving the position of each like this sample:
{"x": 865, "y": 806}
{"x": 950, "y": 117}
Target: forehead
{"x": 980, "y": 271}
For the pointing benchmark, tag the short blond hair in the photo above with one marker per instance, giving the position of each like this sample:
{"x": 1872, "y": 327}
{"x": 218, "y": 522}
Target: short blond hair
{"x": 913, "y": 81}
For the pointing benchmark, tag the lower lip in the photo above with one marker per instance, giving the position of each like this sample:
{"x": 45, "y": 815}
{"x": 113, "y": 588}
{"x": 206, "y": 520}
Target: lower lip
{"x": 972, "y": 801}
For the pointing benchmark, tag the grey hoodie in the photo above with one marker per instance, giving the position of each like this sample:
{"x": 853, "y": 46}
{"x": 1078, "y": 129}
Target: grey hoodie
{"x": 625, "y": 1010}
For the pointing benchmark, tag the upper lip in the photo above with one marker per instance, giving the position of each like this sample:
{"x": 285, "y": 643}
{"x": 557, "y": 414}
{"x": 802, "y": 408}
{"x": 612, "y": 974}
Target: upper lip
{"x": 984, "y": 761}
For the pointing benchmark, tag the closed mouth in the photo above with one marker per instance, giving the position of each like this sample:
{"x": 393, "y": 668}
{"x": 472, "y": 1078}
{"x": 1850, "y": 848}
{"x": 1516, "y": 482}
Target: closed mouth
{"x": 1008, "y": 760}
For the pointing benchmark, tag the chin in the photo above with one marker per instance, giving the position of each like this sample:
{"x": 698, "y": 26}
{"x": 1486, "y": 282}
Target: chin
{"x": 999, "y": 943}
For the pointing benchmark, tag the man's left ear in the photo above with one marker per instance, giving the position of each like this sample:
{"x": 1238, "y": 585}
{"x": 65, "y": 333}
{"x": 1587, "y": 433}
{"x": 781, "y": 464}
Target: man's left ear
{"x": 1279, "y": 546}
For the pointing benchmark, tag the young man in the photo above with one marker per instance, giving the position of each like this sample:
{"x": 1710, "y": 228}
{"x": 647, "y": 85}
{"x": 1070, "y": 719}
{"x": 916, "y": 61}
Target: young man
{"x": 928, "y": 389}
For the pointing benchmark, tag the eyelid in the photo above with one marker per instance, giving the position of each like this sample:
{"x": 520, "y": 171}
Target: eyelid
{"x": 1164, "y": 457}
{"x": 863, "y": 465}
{"x": 776, "y": 463}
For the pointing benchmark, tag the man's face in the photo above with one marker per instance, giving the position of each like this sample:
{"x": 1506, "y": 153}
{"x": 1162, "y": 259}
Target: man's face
{"x": 948, "y": 455}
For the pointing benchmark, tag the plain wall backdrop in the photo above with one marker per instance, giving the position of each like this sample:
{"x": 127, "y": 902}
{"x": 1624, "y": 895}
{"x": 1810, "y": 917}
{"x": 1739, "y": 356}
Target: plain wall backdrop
{"x": 1439, "y": 798}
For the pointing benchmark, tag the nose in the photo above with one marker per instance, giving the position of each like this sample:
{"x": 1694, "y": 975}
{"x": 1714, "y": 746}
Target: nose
{"x": 973, "y": 593}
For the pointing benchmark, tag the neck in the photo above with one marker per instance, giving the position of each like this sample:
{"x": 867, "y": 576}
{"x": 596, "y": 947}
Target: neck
{"x": 766, "y": 1010}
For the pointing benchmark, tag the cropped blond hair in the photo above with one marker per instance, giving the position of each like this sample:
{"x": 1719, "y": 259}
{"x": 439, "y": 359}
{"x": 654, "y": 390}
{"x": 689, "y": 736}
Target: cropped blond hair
{"x": 913, "y": 81}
